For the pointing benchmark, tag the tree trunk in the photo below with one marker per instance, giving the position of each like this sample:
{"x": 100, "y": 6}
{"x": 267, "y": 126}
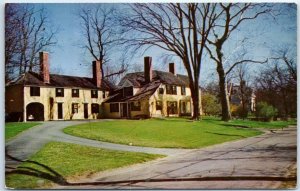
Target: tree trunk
{"x": 285, "y": 105}
{"x": 243, "y": 99}
{"x": 195, "y": 99}
{"x": 226, "y": 115}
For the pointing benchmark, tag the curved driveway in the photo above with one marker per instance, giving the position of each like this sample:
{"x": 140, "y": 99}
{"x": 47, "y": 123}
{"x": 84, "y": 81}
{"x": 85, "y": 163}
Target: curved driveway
{"x": 29, "y": 142}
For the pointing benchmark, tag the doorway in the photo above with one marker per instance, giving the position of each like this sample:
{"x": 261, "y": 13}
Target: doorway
{"x": 172, "y": 107}
{"x": 124, "y": 110}
{"x": 85, "y": 112}
{"x": 59, "y": 110}
{"x": 183, "y": 107}
{"x": 35, "y": 112}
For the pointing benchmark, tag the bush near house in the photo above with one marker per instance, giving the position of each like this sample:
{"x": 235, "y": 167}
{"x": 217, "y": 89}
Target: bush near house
{"x": 265, "y": 111}
{"x": 210, "y": 105}
{"x": 240, "y": 112}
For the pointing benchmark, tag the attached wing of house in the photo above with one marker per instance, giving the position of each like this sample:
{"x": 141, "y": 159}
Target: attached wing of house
{"x": 150, "y": 93}
{"x": 44, "y": 96}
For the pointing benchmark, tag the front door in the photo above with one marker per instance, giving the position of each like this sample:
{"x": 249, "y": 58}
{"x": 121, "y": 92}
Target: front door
{"x": 59, "y": 111}
{"x": 183, "y": 107}
{"x": 124, "y": 110}
{"x": 86, "y": 114}
{"x": 172, "y": 107}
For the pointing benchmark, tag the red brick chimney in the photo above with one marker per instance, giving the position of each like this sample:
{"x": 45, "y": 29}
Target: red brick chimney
{"x": 97, "y": 74}
{"x": 44, "y": 67}
{"x": 148, "y": 69}
{"x": 172, "y": 68}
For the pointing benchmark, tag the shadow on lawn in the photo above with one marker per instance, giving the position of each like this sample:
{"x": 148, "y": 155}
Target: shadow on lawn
{"x": 237, "y": 126}
{"x": 231, "y": 135}
{"x": 50, "y": 174}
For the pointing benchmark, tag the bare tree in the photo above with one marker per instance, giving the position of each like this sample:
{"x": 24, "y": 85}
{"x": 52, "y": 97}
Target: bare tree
{"x": 285, "y": 55}
{"x": 277, "y": 83}
{"x": 102, "y": 37}
{"x": 244, "y": 91}
{"x": 11, "y": 49}
{"x": 233, "y": 15}
{"x": 181, "y": 29}
{"x": 27, "y": 32}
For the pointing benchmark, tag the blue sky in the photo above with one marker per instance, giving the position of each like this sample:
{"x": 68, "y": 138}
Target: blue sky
{"x": 70, "y": 59}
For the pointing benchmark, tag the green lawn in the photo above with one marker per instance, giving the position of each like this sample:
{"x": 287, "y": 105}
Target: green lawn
{"x": 259, "y": 124}
{"x": 170, "y": 132}
{"x": 14, "y": 128}
{"x": 71, "y": 160}
{"x": 250, "y": 123}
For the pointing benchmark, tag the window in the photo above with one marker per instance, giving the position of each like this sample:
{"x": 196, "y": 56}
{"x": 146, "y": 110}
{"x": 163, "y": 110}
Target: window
{"x": 34, "y": 91}
{"x": 128, "y": 91}
{"x": 94, "y": 93}
{"x": 95, "y": 108}
{"x": 158, "y": 105}
{"x": 183, "y": 90}
{"x": 135, "y": 106}
{"x": 114, "y": 107}
{"x": 74, "y": 108}
{"x": 75, "y": 92}
{"x": 103, "y": 94}
{"x": 172, "y": 107}
{"x": 171, "y": 90}
{"x": 174, "y": 90}
{"x": 161, "y": 91}
{"x": 59, "y": 92}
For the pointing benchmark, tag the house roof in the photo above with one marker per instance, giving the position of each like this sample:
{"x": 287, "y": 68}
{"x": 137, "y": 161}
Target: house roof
{"x": 34, "y": 79}
{"x": 144, "y": 93}
{"x": 137, "y": 79}
{"x": 184, "y": 78}
{"x": 146, "y": 89}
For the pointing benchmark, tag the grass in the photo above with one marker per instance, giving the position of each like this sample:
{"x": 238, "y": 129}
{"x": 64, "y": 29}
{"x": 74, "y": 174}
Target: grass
{"x": 251, "y": 124}
{"x": 71, "y": 160}
{"x": 259, "y": 124}
{"x": 14, "y": 128}
{"x": 170, "y": 132}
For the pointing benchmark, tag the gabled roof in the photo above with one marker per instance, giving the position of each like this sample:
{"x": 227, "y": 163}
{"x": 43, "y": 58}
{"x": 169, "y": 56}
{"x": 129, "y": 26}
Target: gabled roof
{"x": 137, "y": 79}
{"x": 34, "y": 79}
{"x": 144, "y": 93}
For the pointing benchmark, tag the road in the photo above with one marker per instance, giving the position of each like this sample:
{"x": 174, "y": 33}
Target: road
{"x": 267, "y": 155}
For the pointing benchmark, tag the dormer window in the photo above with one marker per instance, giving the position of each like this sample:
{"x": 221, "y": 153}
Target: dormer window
{"x": 127, "y": 91}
